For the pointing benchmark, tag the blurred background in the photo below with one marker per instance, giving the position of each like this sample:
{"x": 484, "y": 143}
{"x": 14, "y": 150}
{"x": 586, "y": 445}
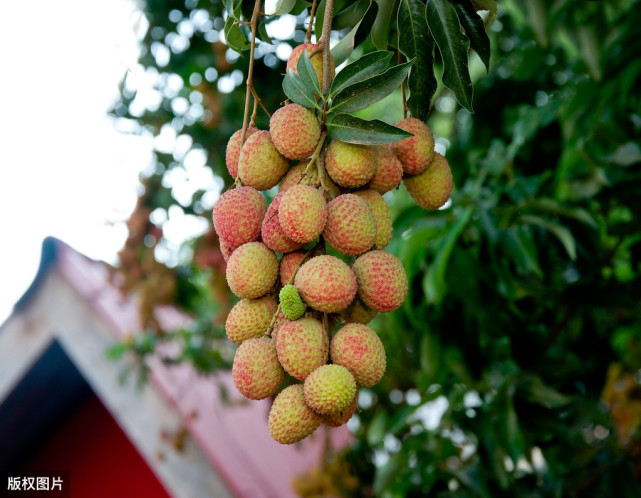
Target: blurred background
{"x": 514, "y": 367}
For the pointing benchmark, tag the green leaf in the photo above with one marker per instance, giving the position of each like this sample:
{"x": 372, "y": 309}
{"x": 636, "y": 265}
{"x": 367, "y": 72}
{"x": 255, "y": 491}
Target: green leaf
{"x": 367, "y": 66}
{"x": 453, "y": 44}
{"x": 351, "y": 129}
{"x": 284, "y": 7}
{"x": 415, "y": 43}
{"x": 234, "y": 36}
{"x": 233, "y": 8}
{"x": 536, "y": 391}
{"x": 343, "y": 49}
{"x": 350, "y": 15}
{"x": 307, "y": 74}
{"x": 475, "y": 29}
{"x": 562, "y": 233}
{"x": 299, "y": 7}
{"x": 381, "y": 27}
{"x": 361, "y": 95}
{"x": 297, "y": 91}
{"x": 262, "y": 33}
{"x": 365, "y": 26}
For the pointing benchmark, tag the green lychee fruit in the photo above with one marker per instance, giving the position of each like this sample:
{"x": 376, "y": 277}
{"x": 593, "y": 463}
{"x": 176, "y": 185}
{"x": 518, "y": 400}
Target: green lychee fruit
{"x": 260, "y": 165}
{"x": 288, "y": 264}
{"x": 389, "y": 170}
{"x": 357, "y": 312}
{"x": 350, "y": 165}
{"x": 357, "y": 347}
{"x": 330, "y": 389}
{"x": 297, "y": 175}
{"x": 326, "y": 283}
{"x": 302, "y": 213}
{"x": 342, "y": 417}
{"x": 233, "y": 150}
{"x": 237, "y": 216}
{"x": 256, "y": 372}
{"x": 415, "y": 153}
{"x": 295, "y": 131}
{"x": 381, "y": 212}
{"x": 290, "y": 419}
{"x": 290, "y": 302}
{"x": 272, "y": 233}
{"x": 316, "y": 60}
{"x": 252, "y": 270}
{"x": 302, "y": 347}
{"x": 351, "y": 225}
{"x": 382, "y": 282}
{"x": 250, "y": 318}
{"x": 432, "y": 188}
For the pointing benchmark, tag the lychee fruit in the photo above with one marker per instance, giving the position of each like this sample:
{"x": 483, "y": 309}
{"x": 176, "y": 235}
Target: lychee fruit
{"x": 389, "y": 170}
{"x": 357, "y": 312}
{"x": 237, "y": 216}
{"x": 250, "y": 318}
{"x": 415, "y": 153}
{"x": 288, "y": 264}
{"x": 233, "y": 150}
{"x": 290, "y": 419}
{"x": 256, "y": 372}
{"x": 432, "y": 188}
{"x": 381, "y": 212}
{"x": 302, "y": 347}
{"x": 382, "y": 282}
{"x": 260, "y": 165}
{"x": 349, "y": 165}
{"x": 316, "y": 60}
{"x": 342, "y": 417}
{"x": 290, "y": 303}
{"x": 272, "y": 233}
{"x": 226, "y": 250}
{"x": 351, "y": 225}
{"x": 295, "y": 131}
{"x": 302, "y": 213}
{"x": 357, "y": 347}
{"x": 326, "y": 283}
{"x": 280, "y": 322}
{"x": 297, "y": 175}
{"x": 330, "y": 389}
{"x": 252, "y": 270}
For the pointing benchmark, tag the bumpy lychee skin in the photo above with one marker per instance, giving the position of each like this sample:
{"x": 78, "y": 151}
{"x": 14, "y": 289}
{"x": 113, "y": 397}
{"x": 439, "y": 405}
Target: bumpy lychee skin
{"x": 288, "y": 264}
{"x": 326, "y": 283}
{"x": 250, "y": 318}
{"x": 302, "y": 347}
{"x": 329, "y": 389}
{"x": 342, "y": 417}
{"x": 432, "y": 188}
{"x": 351, "y": 225}
{"x": 260, "y": 165}
{"x": 415, "y": 153}
{"x": 357, "y": 312}
{"x": 252, "y": 270}
{"x": 360, "y": 350}
{"x": 226, "y": 250}
{"x": 295, "y": 131}
{"x": 302, "y": 213}
{"x": 350, "y": 165}
{"x": 381, "y": 212}
{"x": 389, "y": 170}
{"x": 290, "y": 303}
{"x": 233, "y": 150}
{"x": 237, "y": 216}
{"x": 256, "y": 371}
{"x": 272, "y": 233}
{"x": 297, "y": 175}
{"x": 382, "y": 282}
{"x": 290, "y": 419}
{"x": 280, "y": 322}
{"x": 316, "y": 59}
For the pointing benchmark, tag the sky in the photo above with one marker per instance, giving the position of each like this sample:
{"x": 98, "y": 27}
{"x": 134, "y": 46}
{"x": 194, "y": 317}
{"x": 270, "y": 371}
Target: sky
{"x": 64, "y": 169}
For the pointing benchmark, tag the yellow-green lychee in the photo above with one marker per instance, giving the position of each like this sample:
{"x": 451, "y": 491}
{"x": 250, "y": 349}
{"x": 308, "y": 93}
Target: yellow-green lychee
{"x": 357, "y": 312}
{"x": 351, "y": 225}
{"x": 288, "y": 264}
{"x": 357, "y": 347}
{"x": 290, "y": 419}
{"x": 381, "y": 212}
{"x": 256, "y": 372}
{"x": 237, "y": 216}
{"x": 302, "y": 347}
{"x": 302, "y": 213}
{"x": 415, "y": 153}
{"x": 350, "y": 165}
{"x": 280, "y": 322}
{"x": 250, "y": 318}
{"x": 233, "y": 150}
{"x": 342, "y": 417}
{"x": 382, "y": 282}
{"x": 252, "y": 270}
{"x": 260, "y": 165}
{"x": 329, "y": 389}
{"x": 295, "y": 131}
{"x": 316, "y": 60}
{"x": 272, "y": 233}
{"x": 432, "y": 188}
{"x": 297, "y": 175}
{"x": 326, "y": 283}
{"x": 290, "y": 302}
{"x": 389, "y": 170}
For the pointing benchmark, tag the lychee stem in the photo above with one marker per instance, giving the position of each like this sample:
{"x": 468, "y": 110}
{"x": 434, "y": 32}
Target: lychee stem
{"x": 312, "y": 13}
{"x": 317, "y": 152}
{"x": 400, "y": 61}
{"x": 327, "y": 29}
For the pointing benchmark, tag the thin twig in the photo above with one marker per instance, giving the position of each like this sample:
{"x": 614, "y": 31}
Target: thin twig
{"x": 317, "y": 152}
{"x": 400, "y": 60}
{"x": 260, "y": 102}
{"x": 308, "y": 35}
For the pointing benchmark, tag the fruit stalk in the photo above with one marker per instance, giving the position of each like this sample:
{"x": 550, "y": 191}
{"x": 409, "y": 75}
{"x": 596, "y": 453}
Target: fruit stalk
{"x": 312, "y": 13}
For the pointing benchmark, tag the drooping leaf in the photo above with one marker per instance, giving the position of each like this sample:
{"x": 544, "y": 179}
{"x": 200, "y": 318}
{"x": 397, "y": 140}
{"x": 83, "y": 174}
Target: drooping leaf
{"x": 261, "y": 32}
{"x": 361, "y": 69}
{"x": 366, "y": 23}
{"x": 297, "y": 91}
{"x": 474, "y": 28}
{"x": 347, "y": 128}
{"x": 233, "y": 8}
{"x": 453, "y": 44}
{"x": 307, "y": 74}
{"x": 361, "y": 95}
{"x": 381, "y": 27}
{"x": 562, "y": 233}
{"x": 284, "y": 7}
{"x": 234, "y": 36}
{"x": 343, "y": 49}
{"x": 349, "y": 15}
{"x": 415, "y": 43}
